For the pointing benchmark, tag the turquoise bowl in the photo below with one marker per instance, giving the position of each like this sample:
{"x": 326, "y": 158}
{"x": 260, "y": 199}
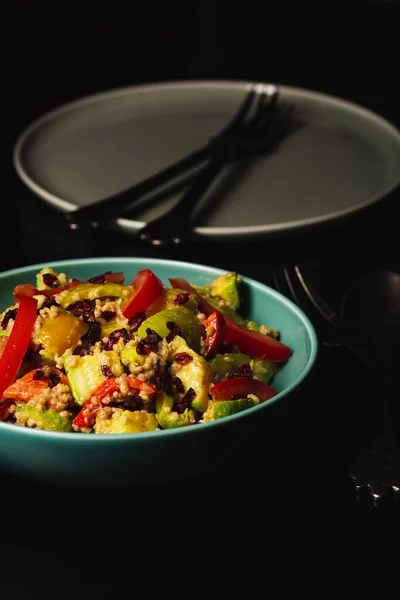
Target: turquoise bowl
{"x": 158, "y": 457}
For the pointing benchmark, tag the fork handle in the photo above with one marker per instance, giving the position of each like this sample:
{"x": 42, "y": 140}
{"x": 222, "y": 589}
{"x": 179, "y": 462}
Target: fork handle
{"x": 106, "y": 210}
{"x": 176, "y": 224}
{"x": 100, "y": 213}
{"x": 183, "y": 209}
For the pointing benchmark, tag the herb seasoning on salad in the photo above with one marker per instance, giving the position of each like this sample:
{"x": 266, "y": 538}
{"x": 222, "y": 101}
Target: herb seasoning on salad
{"x": 100, "y": 356}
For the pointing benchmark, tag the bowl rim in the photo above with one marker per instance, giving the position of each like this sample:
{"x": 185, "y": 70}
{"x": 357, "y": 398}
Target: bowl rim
{"x": 147, "y": 435}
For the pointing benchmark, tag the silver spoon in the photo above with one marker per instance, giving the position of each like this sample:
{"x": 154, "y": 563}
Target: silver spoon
{"x": 374, "y": 302}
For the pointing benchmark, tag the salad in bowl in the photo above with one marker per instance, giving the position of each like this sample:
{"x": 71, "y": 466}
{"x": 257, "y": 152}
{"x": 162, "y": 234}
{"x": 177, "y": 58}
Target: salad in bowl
{"x": 106, "y": 355}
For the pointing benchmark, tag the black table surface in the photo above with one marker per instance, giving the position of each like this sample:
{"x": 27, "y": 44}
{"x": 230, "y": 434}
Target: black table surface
{"x": 290, "y": 505}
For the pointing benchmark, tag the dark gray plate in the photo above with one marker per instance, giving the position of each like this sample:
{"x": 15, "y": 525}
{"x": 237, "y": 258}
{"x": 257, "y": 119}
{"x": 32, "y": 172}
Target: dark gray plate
{"x": 343, "y": 158}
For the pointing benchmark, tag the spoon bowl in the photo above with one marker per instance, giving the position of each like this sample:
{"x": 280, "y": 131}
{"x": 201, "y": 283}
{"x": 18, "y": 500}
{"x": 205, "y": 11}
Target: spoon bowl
{"x": 373, "y": 301}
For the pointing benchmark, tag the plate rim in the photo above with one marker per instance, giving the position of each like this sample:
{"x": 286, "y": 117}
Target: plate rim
{"x": 133, "y": 225}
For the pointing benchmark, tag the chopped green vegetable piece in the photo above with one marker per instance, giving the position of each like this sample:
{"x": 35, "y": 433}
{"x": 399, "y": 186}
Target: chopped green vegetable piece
{"x": 45, "y": 419}
{"x": 190, "y": 327}
{"x": 85, "y": 372}
{"x": 225, "y": 408}
{"x": 169, "y": 418}
{"x": 93, "y": 291}
{"x": 195, "y": 375}
{"x": 227, "y": 287}
{"x": 221, "y": 364}
{"x": 264, "y": 370}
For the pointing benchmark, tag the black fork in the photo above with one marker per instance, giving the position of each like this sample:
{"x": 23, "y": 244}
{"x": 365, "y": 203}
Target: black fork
{"x": 99, "y": 214}
{"x": 258, "y": 127}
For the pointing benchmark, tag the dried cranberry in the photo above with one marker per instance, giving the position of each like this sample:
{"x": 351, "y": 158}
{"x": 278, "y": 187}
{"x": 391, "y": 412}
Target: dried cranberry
{"x": 178, "y": 385}
{"x": 174, "y": 330}
{"x": 136, "y": 320}
{"x": 190, "y": 395}
{"x": 166, "y": 383}
{"x": 152, "y": 337}
{"x": 54, "y": 379}
{"x": 38, "y": 374}
{"x": 48, "y": 303}
{"x": 99, "y": 278}
{"x": 181, "y": 405}
{"x": 93, "y": 334}
{"x": 84, "y": 309}
{"x": 142, "y": 348}
{"x": 243, "y": 370}
{"x": 83, "y": 350}
{"x": 182, "y": 358}
{"x": 108, "y": 374}
{"x": 10, "y": 314}
{"x": 116, "y": 335}
{"x": 108, "y": 315}
{"x": 181, "y": 298}
{"x": 50, "y": 280}
{"x": 149, "y": 343}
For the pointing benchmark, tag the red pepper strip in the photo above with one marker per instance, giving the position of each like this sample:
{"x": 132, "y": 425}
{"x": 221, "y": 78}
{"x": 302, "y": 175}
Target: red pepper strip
{"x": 28, "y": 388}
{"x": 115, "y": 277}
{"x": 256, "y": 344}
{"x": 3, "y": 343}
{"x": 214, "y": 340}
{"x": 87, "y": 415}
{"x": 241, "y": 386}
{"x": 27, "y": 289}
{"x": 147, "y": 289}
{"x": 250, "y": 342}
{"x": 18, "y": 342}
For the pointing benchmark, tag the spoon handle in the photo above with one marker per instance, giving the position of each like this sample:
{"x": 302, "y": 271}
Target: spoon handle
{"x": 385, "y": 424}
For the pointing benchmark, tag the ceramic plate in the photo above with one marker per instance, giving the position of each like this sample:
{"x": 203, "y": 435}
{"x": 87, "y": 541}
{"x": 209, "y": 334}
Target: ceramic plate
{"x": 342, "y": 159}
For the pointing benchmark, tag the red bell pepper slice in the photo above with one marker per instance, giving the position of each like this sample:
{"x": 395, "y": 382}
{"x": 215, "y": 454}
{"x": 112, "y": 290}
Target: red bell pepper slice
{"x": 27, "y": 289}
{"x": 117, "y": 277}
{"x": 147, "y": 289}
{"x": 253, "y": 343}
{"x": 87, "y": 415}
{"x": 241, "y": 386}
{"x": 3, "y": 343}
{"x": 18, "y": 342}
{"x": 256, "y": 344}
{"x": 28, "y": 388}
{"x": 215, "y": 338}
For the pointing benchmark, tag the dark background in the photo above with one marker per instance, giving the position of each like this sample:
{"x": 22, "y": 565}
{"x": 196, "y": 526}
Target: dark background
{"x": 296, "y": 520}
{"x": 64, "y": 50}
